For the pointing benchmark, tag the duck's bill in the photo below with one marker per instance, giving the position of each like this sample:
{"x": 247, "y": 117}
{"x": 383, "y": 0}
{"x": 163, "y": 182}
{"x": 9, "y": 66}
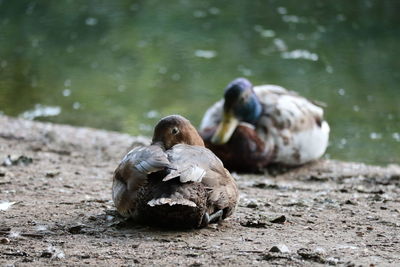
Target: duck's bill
{"x": 225, "y": 129}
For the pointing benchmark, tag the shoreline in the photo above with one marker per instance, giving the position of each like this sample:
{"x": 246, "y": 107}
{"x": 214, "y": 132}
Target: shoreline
{"x": 60, "y": 209}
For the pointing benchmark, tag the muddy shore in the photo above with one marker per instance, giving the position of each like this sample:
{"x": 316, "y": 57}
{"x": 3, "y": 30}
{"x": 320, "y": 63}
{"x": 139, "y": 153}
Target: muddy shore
{"x": 56, "y": 209}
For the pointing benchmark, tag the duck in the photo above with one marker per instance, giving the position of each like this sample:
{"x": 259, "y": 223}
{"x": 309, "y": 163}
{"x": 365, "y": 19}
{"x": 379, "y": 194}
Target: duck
{"x": 253, "y": 127}
{"x": 174, "y": 182}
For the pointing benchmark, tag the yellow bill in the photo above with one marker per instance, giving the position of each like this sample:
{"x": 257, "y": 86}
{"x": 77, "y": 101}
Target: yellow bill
{"x": 225, "y": 129}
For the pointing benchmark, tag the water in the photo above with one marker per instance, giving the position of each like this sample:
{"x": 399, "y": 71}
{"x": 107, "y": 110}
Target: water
{"x": 121, "y": 65}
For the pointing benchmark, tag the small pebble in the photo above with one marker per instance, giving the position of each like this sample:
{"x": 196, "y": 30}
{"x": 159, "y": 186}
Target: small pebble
{"x": 281, "y": 219}
{"x": 52, "y": 174}
{"x": 4, "y": 241}
{"x": 252, "y": 205}
{"x": 280, "y": 248}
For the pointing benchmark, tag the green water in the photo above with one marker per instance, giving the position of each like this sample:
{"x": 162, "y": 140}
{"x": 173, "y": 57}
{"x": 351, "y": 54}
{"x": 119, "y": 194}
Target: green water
{"x": 121, "y": 65}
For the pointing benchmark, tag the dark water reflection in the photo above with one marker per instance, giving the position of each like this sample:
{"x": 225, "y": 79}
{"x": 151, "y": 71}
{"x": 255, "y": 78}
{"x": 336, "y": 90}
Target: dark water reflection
{"x": 121, "y": 65}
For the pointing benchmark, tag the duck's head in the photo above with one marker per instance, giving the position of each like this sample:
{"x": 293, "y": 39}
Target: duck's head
{"x": 241, "y": 104}
{"x": 175, "y": 129}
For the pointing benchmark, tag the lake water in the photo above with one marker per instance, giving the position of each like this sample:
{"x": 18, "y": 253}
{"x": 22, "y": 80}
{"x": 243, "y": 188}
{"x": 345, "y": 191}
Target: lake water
{"x": 121, "y": 65}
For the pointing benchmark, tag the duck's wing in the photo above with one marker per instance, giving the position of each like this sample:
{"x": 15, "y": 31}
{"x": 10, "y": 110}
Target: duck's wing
{"x": 293, "y": 123}
{"x": 199, "y": 164}
{"x": 190, "y": 163}
{"x": 288, "y": 110}
{"x": 132, "y": 172}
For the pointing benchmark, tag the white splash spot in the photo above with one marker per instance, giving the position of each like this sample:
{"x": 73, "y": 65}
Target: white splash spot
{"x": 66, "y": 92}
{"x": 291, "y": 18}
{"x": 356, "y": 108}
{"x": 280, "y": 44}
{"x": 41, "y": 111}
{"x": 282, "y": 10}
{"x": 6, "y": 205}
{"x": 396, "y": 136}
{"x": 162, "y": 70}
{"x": 341, "y": 92}
{"x": 91, "y": 21}
{"x": 329, "y": 69}
{"x": 300, "y": 54}
{"x": 205, "y": 53}
{"x": 214, "y": 10}
{"x": 152, "y": 114}
{"x": 76, "y": 105}
{"x": 375, "y": 136}
{"x": 267, "y": 33}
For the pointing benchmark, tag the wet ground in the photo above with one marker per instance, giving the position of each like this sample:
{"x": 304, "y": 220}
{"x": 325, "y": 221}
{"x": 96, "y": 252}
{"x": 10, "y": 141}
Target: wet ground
{"x": 56, "y": 209}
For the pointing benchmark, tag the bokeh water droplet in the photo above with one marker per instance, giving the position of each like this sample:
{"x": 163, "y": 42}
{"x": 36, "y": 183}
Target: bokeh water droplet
{"x": 375, "y": 136}
{"x": 66, "y": 92}
{"x": 91, "y": 21}
{"x": 205, "y": 53}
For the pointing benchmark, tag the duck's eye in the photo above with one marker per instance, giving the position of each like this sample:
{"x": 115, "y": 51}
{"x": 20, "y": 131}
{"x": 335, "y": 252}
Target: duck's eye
{"x": 175, "y": 131}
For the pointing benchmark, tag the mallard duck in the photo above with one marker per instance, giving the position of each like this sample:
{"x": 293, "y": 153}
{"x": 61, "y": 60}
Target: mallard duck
{"x": 175, "y": 181}
{"x": 255, "y": 126}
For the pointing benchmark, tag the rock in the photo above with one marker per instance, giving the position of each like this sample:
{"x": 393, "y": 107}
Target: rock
{"x": 281, "y": 219}
{"x": 52, "y": 174}
{"x": 350, "y": 202}
{"x": 17, "y": 253}
{"x": 76, "y": 229}
{"x": 4, "y": 240}
{"x": 53, "y": 253}
{"x": 280, "y": 248}
{"x": 17, "y": 160}
{"x": 254, "y": 224}
{"x": 6, "y": 205}
{"x": 307, "y": 254}
{"x": 252, "y": 205}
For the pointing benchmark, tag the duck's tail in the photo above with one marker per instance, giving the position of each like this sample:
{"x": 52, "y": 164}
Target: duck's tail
{"x": 173, "y": 204}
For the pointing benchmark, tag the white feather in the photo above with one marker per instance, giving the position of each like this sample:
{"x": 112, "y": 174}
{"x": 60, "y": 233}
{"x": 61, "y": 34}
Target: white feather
{"x": 213, "y": 116}
{"x": 170, "y": 202}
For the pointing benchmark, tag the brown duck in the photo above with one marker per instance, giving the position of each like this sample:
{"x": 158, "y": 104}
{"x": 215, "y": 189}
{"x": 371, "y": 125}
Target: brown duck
{"x": 174, "y": 182}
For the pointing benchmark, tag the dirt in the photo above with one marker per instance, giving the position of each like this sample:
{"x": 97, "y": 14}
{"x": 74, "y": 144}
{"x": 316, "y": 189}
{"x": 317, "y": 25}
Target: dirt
{"x": 56, "y": 209}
